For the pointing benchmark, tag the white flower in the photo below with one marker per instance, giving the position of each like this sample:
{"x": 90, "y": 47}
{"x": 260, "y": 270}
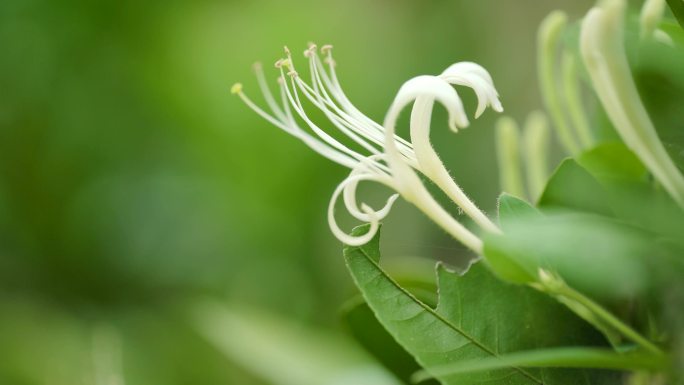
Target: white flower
{"x": 386, "y": 158}
{"x": 603, "y": 51}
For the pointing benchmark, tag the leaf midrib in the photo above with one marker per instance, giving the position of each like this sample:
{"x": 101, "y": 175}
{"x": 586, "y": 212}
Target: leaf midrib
{"x": 441, "y": 318}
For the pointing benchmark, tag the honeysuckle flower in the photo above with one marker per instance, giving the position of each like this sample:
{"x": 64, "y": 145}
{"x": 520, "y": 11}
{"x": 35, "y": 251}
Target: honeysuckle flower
{"x": 603, "y": 51}
{"x": 387, "y": 158}
{"x": 560, "y": 92}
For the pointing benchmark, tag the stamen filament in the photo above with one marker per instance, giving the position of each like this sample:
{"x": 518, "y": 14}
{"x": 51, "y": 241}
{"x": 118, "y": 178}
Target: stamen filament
{"x": 266, "y": 91}
{"x": 312, "y": 142}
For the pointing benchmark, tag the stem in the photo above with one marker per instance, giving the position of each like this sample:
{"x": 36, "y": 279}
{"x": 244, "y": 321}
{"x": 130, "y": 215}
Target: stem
{"x": 608, "y": 318}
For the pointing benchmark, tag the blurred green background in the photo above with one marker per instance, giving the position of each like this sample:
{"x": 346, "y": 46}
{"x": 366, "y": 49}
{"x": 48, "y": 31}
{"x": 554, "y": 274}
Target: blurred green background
{"x": 134, "y": 186}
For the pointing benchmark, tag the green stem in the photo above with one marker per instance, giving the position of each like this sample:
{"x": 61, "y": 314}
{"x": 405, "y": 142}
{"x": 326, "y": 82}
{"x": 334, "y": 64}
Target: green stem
{"x": 608, "y": 318}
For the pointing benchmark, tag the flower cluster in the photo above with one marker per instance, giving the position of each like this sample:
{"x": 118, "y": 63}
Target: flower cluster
{"x": 386, "y": 158}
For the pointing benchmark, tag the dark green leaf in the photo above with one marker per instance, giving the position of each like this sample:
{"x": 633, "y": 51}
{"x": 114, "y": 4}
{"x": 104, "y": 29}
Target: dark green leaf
{"x": 677, "y": 7}
{"x": 478, "y": 317}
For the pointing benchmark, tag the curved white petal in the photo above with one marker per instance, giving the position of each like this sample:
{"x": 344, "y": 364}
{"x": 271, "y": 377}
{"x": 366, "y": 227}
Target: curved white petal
{"x": 349, "y": 193}
{"x": 469, "y": 67}
{"x": 478, "y": 79}
{"x": 372, "y": 216}
{"x": 434, "y": 87}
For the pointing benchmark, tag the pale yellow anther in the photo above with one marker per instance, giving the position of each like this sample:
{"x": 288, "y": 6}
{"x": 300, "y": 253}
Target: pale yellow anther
{"x": 281, "y": 80}
{"x": 309, "y": 52}
{"x": 293, "y": 73}
{"x": 326, "y": 49}
{"x": 330, "y": 61}
{"x": 236, "y": 88}
{"x": 287, "y": 50}
{"x": 257, "y": 66}
{"x": 283, "y": 63}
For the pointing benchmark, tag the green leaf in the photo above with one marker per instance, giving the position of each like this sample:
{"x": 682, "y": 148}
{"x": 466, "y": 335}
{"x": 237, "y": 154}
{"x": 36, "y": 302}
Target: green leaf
{"x": 511, "y": 211}
{"x": 555, "y": 358}
{"x": 478, "y": 317}
{"x": 511, "y": 208}
{"x": 598, "y": 256}
{"x": 677, "y": 7}
{"x": 613, "y": 161}
{"x": 625, "y": 181}
{"x": 572, "y": 187}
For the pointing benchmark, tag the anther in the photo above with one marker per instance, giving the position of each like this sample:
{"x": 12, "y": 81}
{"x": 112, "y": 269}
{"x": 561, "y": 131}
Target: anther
{"x": 330, "y": 61}
{"x": 283, "y": 63}
{"x": 326, "y": 49}
{"x": 281, "y": 80}
{"x": 309, "y": 52}
{"x": 236, "y": 88}
{"x": 287, "y": 50}
{"x": 293, "y": 73}
{"x": 257, "y": 66}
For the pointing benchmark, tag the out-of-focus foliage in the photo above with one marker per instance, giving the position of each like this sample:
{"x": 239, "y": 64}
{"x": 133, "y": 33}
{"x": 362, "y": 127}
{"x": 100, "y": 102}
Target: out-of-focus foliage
{"x": 132, "y": 183}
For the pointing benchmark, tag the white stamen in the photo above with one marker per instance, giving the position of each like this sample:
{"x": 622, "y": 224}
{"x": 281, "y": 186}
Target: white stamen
{"x": 266, "y": 91}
